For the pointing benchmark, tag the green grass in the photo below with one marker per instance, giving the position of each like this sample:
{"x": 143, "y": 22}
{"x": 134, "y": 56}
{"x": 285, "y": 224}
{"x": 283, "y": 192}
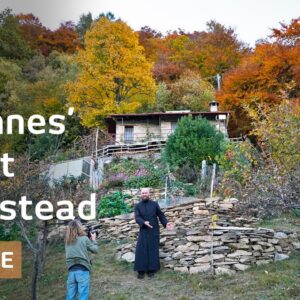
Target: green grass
{"x": 113, "y": 280}
{"x": 287, "y": 221}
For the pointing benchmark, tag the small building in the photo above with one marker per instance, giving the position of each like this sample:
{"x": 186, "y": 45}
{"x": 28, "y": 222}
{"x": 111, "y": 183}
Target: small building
{"x": 134, "y": 128}
{"x": 134, "y": 134}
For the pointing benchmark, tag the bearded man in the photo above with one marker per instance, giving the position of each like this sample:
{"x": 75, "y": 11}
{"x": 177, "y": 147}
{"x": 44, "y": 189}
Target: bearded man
{"x": 146, "y": 213}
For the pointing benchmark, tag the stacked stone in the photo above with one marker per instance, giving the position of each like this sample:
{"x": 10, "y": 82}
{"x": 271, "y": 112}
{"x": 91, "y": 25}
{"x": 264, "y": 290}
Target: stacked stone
{"x": 196, "y": 213}
{"x": 228, "y": 250}
{"x": 195, "y": 245}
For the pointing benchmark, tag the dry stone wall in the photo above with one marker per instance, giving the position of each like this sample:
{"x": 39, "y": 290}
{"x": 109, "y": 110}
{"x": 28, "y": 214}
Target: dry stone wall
{"x": 195, "y": 245}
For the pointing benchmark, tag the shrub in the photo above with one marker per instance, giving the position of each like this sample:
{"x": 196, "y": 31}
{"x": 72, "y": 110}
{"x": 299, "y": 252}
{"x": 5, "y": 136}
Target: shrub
{"x": 113, "y": 205}
{"x": 269, "y": 184}
{"x": 136, "y": 182}
{"x": 115, "y": 180}
{"x": 236, "y": 165}
{"x": 70, "y": 182}
{"x": 194, "y": 140}
{"x": 10, "y": 233}
{"x": 189, "y": 189}
{"x": 274, "y": 185}
{"x": 277, "y": 133}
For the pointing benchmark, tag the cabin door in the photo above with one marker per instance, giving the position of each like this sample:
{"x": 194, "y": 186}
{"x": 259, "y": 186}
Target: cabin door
{"x": 128, "y": 135}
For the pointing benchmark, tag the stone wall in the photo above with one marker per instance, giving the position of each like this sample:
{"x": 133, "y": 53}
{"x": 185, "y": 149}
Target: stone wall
{"x": 232, "y": 244}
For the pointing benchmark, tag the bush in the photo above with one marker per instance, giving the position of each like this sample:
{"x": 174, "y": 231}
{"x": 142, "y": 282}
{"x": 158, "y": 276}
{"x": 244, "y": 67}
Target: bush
{"x": 194, "y": 140}
{"x": 11, "y": 233}
{"x": 189, "y": 189}
{"x": 269, "y": 185}
{"x": 236, "y": 165}
{"x": 187, "y": 173}
{"x": 113, "y": 205}
{"x": 69, "y": 182}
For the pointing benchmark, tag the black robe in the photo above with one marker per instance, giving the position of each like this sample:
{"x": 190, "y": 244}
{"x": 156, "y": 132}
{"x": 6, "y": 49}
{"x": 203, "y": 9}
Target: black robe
{"x": 147, "y": 248}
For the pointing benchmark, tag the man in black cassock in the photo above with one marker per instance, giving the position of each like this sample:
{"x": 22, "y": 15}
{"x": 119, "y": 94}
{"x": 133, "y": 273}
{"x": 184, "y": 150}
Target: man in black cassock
{"x": 146, "y": 213}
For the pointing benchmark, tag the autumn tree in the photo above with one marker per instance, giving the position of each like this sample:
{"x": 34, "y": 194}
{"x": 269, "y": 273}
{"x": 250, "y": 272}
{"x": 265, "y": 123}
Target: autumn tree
{"x": 114, "y": 73}
{"x": 31, "y": 29}
{"x": 209, "y": 52}
{"x": 189, "y": 92}
{"x": 86, "y": 20}
{"x": 267, "y": 75}
{"x": 64, "y": 39}
{"x": 288, "y": 34}
{"x": 149, "y": 39}
{"x": 174, "y": 56}
{"x": 32, "y": 181}
{"x": 278, "y": 135}
{"x": 273, "y": 185}
{"x": 217, "y": 49}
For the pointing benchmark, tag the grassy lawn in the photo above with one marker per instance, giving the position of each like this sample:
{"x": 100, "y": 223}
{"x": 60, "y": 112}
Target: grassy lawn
{"x": 116, "y": 280}
{"x": 287, "y": 221}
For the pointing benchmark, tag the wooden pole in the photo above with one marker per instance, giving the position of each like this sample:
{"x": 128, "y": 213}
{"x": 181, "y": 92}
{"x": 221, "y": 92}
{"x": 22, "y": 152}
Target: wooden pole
{"x": 212, "y": 180}
{"x": 203, "y": 175}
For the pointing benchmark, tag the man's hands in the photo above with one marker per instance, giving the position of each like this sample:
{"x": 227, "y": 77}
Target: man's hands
{"x": 170, "y": 226}
{"x": 148, "y": 224}
{"x": 93, "y": 236}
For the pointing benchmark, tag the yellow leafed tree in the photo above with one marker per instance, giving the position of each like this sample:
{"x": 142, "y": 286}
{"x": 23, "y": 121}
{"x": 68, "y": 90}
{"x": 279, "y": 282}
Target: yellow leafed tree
{"x": 114, "y": 75}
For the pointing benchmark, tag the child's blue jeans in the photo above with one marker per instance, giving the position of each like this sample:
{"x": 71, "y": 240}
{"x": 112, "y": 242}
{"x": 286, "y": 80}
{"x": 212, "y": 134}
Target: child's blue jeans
{"x": 78, "y": 283}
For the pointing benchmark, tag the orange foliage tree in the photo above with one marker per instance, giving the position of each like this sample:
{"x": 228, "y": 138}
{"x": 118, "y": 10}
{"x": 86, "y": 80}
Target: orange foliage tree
{"x": 268, "y": 75}
{"x": 64, "y": 39}
{"x": 207, "y": 52}
{"x": 31, "y": 29}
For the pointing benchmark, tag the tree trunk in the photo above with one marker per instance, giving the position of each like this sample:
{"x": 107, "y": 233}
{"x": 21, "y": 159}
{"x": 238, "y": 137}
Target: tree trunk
{"x": 44, "y": 247}
{"x": 35, "y": 276}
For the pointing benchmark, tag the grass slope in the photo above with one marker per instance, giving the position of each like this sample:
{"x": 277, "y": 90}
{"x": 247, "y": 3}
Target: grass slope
{"x": 116, "y": 280}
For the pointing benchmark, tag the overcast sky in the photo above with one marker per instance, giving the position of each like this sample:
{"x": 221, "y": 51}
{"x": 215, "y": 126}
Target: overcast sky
{"x": 252, "y": 19}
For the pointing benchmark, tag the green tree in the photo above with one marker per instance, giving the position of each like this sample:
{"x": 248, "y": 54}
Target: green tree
{"x": 191, "y": 92}
{"x": 194, "y": 140}
{"x": 163, "y": 98}
{"x": 12, "y": 45}
{"x": 83, "y": 25}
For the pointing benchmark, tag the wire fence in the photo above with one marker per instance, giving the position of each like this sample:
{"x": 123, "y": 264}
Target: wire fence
{"x": 204, "y": 187}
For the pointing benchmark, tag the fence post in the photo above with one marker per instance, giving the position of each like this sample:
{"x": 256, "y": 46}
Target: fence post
{"x": 166, "y": 188}
{"x": 214, "y": 219}
{"x": 203, "y": 174}
{"x": 212, "y": 180}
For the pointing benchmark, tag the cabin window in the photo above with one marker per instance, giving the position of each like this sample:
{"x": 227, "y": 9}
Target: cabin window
{"x": 128, "y": 134}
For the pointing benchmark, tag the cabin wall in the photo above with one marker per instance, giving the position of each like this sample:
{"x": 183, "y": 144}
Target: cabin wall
{"x": 165, "y": 128}
{"x": 141, "y": 132}
{"x": 153, "y": 129}
{"x": 220, "y": 125}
